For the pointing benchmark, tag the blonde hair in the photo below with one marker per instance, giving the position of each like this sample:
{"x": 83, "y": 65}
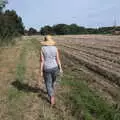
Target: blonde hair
{"x": 47, "y": 37}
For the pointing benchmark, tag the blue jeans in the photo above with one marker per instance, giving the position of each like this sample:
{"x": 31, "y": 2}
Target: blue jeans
{"x": 50, "y": 78}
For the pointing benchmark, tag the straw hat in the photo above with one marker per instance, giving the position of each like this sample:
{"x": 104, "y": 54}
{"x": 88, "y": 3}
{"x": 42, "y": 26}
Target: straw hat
{"x": 48, "y": 40}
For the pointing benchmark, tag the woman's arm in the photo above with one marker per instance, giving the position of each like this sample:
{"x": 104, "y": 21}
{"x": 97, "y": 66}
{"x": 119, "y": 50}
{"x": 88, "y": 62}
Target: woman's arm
{"x": 41, "y": 63}
{"x": 58, "y": 61}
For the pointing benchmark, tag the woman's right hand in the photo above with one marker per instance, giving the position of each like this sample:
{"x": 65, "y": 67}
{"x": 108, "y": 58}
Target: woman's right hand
{"x": 41, "y": 74}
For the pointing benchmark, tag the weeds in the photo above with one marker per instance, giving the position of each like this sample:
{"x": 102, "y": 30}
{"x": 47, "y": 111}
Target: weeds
{"x": 21, "y": 68}
{"x": 20, "y": 74}
{"x": 36, "y": 45}
{"x": 86, "y": 104}
{"x": 14, "y": 95}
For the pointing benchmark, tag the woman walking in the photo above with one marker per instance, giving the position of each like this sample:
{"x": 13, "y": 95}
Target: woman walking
{"x": 50, "y": 65}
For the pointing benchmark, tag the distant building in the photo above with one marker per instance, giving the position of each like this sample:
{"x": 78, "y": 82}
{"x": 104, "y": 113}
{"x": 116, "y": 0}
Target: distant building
{"x": 116, "y": 30}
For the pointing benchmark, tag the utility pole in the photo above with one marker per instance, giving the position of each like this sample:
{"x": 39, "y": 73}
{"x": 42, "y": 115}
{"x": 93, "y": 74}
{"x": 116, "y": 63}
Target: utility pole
{"x": 115, "y": 22}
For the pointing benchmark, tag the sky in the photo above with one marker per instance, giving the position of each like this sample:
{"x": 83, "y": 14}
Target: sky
{"x": 87, "y": 13}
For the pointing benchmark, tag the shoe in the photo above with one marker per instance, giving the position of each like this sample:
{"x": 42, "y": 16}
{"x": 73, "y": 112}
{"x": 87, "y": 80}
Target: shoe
{"x": 52, "y": 100}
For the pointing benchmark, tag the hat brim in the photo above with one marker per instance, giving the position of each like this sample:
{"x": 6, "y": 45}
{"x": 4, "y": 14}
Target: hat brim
{"x": 49, "y": 42}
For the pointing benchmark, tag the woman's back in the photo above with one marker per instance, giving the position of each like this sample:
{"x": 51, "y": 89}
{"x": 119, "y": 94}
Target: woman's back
{"x": 49, "y": 54}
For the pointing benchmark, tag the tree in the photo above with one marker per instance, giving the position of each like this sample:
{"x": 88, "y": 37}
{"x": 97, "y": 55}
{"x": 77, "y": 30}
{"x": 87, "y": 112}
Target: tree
{"x": 14, "y": 21}
{"x": 32, "y": 31}
{"x": 60, "y": 29}
{"x": 10, "y": 26}
{"x": 75, "y": 29}
{"x": 46, "y": 30}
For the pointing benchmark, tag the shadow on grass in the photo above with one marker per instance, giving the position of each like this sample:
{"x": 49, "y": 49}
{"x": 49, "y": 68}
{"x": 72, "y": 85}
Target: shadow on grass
{"x": 26, "y": 88}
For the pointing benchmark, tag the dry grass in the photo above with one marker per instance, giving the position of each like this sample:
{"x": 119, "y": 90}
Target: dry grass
{"x": 21, "y": 96}
{"x": 25, "y": 99}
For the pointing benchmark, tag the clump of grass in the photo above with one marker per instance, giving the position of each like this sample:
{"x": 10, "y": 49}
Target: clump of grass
{"x": 7, "y": 41}
{"x": 36, "y": 44}
{"x": 21, "y": 68}
{"x": 85, "y": 103}
{"x": 13, "y": 93}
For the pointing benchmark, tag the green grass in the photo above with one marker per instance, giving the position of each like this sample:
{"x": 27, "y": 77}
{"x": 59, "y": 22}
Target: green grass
{"x": 85, "y": 103}
{"x": 35, "y": 43}
{"x": 20, "y": 75}
{"x": 17, "y": 92}
{"x": 15, "y": 96}
{"x": 21, "y": 67}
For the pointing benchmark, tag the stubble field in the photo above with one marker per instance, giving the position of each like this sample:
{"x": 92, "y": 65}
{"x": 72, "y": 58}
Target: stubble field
{"x": 98, "y": 56}
{"x": 89, "y": 89}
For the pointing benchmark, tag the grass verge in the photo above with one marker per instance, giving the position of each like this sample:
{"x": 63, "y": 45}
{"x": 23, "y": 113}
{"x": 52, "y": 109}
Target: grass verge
{"x": 14, "y": 95}
{"x": 20, "y": 74}
{"x": 21, "y": 68}
{"x": 84, "y": 103}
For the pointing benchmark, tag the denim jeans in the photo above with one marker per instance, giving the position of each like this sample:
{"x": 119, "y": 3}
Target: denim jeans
{"x": 50, "y": 78}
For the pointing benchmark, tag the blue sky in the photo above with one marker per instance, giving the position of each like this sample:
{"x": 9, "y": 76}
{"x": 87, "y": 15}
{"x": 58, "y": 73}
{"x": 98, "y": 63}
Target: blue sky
{"x": 88, "y": 13}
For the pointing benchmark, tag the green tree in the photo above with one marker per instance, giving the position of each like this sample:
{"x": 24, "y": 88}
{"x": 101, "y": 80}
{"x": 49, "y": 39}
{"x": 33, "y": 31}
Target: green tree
{"x": 14, "y": 22}
{"x": 32, "y": 31}
{"x": 75, "y": 29}
{"x": 64, "y": 29}
{"x": 10, "y": 26}
{"x": 60, "y": 29}
{"x": 46, "y": 30}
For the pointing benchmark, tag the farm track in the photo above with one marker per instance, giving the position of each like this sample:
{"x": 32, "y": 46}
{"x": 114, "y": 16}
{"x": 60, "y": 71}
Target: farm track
{"x": 24, "y": 99}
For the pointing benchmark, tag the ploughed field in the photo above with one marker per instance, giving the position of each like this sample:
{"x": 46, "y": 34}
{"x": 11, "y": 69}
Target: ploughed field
{"x": 96, "y": 55}
{"x": 91, "y": 64}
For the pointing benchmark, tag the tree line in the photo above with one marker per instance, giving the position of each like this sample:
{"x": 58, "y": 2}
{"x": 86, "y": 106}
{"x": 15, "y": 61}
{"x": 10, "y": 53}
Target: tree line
{"x": 11, "y": 24}
{"x": 72, "y": 29}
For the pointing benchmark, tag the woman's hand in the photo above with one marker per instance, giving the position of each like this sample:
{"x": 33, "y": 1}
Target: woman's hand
{"x": 61, "y": 71}
{"x": 41, "y": 73}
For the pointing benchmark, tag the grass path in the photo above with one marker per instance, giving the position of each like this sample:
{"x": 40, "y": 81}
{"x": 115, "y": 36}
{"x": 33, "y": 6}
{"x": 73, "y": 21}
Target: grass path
{"x": 8, "y": 60}
{"x": 21, "y": 98}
